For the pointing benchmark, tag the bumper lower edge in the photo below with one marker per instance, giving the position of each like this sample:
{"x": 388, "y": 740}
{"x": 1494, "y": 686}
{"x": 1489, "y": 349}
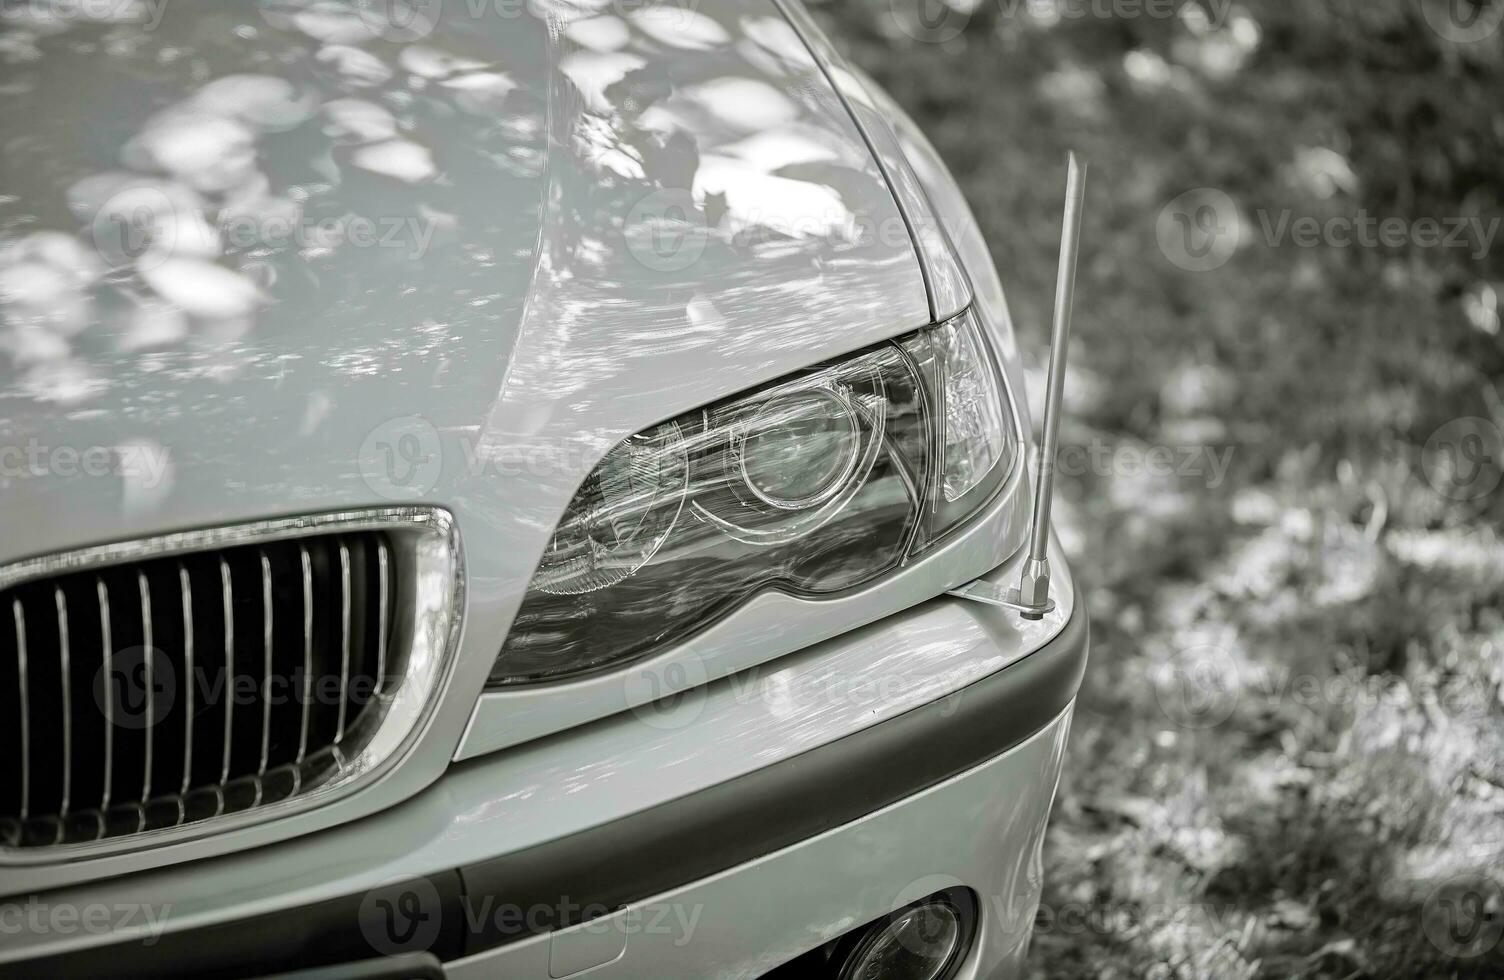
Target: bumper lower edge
{"x": 650, "y": 852}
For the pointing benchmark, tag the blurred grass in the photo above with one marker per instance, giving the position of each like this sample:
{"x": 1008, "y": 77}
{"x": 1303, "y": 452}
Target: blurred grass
{"x": 1351, "y": 611}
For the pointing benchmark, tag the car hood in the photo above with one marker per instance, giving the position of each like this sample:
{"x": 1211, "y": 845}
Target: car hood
{"x": 275, "y": 259}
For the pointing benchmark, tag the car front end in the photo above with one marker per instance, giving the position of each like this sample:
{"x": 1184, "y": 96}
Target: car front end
{"x": 480, "y": 491}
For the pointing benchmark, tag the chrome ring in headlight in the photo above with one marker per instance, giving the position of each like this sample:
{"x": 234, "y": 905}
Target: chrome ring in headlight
{"x": 801, "y": 449}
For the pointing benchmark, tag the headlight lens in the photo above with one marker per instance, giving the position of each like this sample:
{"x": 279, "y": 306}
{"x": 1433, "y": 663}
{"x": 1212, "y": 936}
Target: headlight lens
{"x": 819, "y": 483}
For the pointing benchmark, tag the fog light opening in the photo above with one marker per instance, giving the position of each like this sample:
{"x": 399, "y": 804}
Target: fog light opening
{"x": 920, "y": 942}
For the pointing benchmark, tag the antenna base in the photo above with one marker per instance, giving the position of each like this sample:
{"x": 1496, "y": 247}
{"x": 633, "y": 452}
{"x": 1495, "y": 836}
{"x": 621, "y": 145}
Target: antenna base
{"x": 996, "y": 595}
{"x": 1034, "y": 582}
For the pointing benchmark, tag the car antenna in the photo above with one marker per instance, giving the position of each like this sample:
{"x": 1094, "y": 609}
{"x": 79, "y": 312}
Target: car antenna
{"x": 1031, "y": 598}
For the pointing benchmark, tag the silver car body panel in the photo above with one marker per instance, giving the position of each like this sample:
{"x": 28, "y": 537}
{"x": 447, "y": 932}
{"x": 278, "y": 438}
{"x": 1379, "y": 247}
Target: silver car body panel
{"x": 982, "y": 829}
{"x": 515, "y": 327}
{"x": 574, "y": 227}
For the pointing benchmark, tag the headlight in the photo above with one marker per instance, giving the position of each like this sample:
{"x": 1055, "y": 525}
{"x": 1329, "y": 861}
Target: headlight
{"x": 819, "y": 483}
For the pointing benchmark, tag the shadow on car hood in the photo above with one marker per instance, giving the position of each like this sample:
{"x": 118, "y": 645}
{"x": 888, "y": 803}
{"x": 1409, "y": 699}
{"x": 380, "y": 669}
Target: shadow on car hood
{"x": 272, "y": 259}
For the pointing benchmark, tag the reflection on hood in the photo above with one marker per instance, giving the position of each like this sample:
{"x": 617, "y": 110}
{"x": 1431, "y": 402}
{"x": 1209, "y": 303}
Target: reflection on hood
{"x": 246, "y": 233}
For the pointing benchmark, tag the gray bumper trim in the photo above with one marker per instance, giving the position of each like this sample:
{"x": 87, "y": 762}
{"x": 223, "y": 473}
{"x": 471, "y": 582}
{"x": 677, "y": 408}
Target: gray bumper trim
{"x": 632, "y": 859}
{"x": 695, "y": 836}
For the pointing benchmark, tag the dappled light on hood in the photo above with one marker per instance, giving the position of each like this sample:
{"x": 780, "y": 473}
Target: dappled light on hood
{"x": 296, "y": 226}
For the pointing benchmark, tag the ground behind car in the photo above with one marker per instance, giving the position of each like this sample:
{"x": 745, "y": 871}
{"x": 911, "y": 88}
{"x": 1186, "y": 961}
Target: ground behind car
{"x": 1287, "y": 759}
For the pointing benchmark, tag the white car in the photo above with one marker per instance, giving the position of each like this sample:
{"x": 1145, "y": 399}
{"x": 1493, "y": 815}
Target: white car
{"x": 479, "y": 488}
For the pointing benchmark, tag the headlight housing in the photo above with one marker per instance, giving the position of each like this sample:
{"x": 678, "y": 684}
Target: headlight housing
{"x": 814, "y": 485}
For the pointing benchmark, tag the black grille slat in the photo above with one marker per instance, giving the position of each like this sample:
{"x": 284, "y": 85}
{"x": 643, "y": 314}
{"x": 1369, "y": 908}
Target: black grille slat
{"x": 38, "y": 626}
{"x": 13, "y": 766}
{"x": 156, "y": 693}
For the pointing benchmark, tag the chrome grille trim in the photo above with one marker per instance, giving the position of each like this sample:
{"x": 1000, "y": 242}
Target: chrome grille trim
{"x": 266, "y": 677}
{"x": 18, "y": 615}
{"x": 382, "y": 558}
{"x": 344, "y": 653}
{"x": 412, "y": 553}
{"x": 149, "y": 669}
{"x": 185, "y": 596}
{"x": 107, "y": 653}
{"x": 306, "y": 565}
{"x": 229, "y": 617}
{"x": 61, "y": 602}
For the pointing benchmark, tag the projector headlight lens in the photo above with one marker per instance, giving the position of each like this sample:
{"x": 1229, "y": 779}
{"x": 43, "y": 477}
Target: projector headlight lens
{"x": 821, "y": 482}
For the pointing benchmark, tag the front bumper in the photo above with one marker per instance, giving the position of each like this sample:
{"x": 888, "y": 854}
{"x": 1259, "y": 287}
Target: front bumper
{"x": 834, "y": 812}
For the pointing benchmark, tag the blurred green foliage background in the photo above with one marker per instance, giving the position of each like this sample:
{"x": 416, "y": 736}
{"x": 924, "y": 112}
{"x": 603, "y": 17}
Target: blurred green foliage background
{"x": 1288, "y": 760}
